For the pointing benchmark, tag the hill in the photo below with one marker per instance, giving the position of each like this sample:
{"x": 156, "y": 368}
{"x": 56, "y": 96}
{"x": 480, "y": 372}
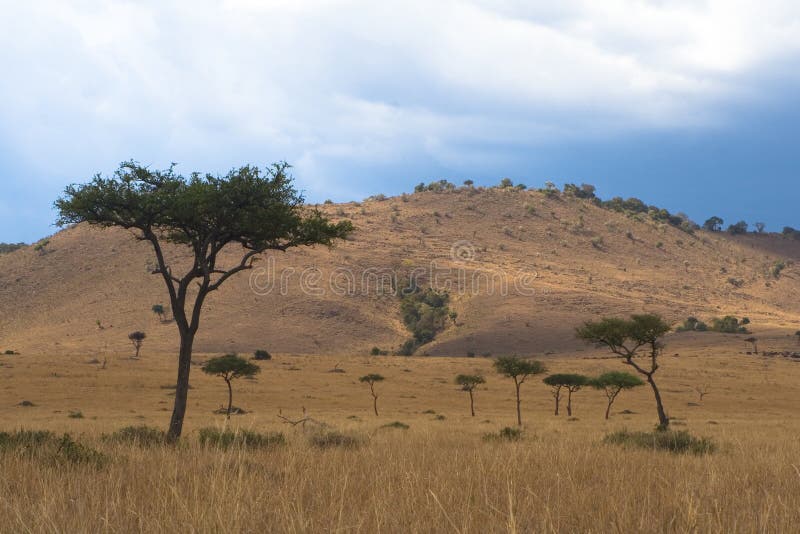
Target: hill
{"x": 562, "y": 259}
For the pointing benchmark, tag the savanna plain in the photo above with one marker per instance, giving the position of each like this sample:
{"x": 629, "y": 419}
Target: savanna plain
{"x": 441, "y": 473}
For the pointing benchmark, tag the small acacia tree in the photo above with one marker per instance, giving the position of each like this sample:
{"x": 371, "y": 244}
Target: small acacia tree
{"x": 229, "y": 368}
{"x": 372, "y": 379}
{"x": 612, "y": 383}
{"x": 625, "y": 338}
{"x": 249, "y": 211}
{"x": 158, "y": 309}
{"x": 518, "y": 369}
{"x": 571, "y": 382}
{"x": 468, "y": 383}
{"x": 137, "y": 338}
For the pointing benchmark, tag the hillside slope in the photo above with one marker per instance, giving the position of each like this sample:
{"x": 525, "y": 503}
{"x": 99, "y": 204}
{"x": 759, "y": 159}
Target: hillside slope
{"x": 564, "y": 260}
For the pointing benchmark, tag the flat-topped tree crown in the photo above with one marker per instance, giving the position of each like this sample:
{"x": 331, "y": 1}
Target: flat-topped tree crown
{"x": 254, "y": 209}
{"x": 626, "y": 338}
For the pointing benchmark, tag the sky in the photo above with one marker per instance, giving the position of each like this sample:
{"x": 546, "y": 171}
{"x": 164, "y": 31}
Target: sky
{"x": 689, "y": 105}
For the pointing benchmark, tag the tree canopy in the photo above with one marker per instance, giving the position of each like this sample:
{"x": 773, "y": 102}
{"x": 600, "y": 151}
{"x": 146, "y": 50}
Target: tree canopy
{"x": 253, "y": 209}
{"x": 625, "y": 337}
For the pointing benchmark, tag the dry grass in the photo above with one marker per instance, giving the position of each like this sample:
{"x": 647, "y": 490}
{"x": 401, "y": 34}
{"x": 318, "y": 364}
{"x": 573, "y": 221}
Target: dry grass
{"x": 438, "y": 475}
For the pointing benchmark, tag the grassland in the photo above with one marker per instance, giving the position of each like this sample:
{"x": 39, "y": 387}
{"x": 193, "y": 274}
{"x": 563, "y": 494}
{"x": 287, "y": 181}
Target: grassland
{"x": 439, "y": 475}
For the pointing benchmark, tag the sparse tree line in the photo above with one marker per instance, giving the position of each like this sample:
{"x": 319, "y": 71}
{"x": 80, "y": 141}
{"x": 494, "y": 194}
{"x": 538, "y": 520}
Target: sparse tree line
{"x": 252, "y": 211}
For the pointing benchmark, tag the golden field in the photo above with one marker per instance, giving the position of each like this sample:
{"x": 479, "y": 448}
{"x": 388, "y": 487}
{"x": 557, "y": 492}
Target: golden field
{"x": 439, "y": 475}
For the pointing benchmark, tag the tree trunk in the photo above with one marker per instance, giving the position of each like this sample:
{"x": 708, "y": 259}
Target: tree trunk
{"x": 230, "y": 398}
{"x": 375, "y": 404}
{"x": 137, "y": 350}
{"x": 569, "y": 402}
{"x": 663, "y": 420}
{"x": 608, "y": 408}
{"x": 181, "y": 387}
{"x": 519, "y": 412}
{"x": 557, "y": 397}
{"x": 471, "y": 404}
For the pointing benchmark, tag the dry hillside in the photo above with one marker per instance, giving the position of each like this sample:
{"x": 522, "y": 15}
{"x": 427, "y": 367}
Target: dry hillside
{"x": 577, "y": 260}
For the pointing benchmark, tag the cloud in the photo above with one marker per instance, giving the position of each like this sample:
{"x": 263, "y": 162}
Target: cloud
{"x": 332, "y": 84}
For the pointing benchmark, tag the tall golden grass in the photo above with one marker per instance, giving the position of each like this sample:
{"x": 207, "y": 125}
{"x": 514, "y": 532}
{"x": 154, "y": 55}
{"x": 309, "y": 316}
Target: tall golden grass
{"x": 431, "y": 478}
{"x": 440, "y": 475}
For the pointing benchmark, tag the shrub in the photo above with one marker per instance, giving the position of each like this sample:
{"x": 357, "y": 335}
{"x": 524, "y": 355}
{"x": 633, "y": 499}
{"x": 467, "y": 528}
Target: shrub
{"x": 144, "y": 436}
{"x": 396, "y": 424}
{"x": 261, "y": 354}
{"x": 333, "y": 438}
{"x": 672, "y": 441}
{"x": 738, "y": 228}
{"x": 779, "y": 266}
{"x": 505, "y": 434}
{"x": 728, "y": 325}
{"x": 45, "y": 445}
{"x": 225, "y": 439}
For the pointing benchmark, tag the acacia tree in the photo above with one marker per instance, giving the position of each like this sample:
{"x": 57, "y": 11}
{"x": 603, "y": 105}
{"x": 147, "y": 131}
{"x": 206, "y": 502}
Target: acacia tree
{"x": 625, "y": 338}
{"x": 371, "y": 379}
{"x": 230, "y": 367}
{"x": 518, "y": 369}
{"x": 158, "y": 309}
{"x": 572, "y": 383}
{"x": 468, "y": 383}
{"x": 612, "y": 383}
{"x": 137, "y": 338}
{"x": 248, "y": 210}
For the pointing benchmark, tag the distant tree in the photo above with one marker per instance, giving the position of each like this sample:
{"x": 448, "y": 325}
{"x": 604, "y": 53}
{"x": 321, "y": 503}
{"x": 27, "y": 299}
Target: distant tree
{"x": 570, "y": 382}
{"x": 518, "y": 369}
{"x": 248, "y": 211}
{"x": 372, "y": 379}
{"x": 137, "y": 338}
{"x": 754, "y": 341}
{"x": 453, "y": 315}
{"x": 760, "y": 226}
{"x": 713, "y": 224}
{"x": 229, "y": 368}
{"x": 158, "y": 309}
{"x": 469, "y": 183}
{"x": 506, "y": 183}
{"x": 261, "y": 354}
{"x": 468, "y": 383}
{"x": 612, "y": 383}
{"x": 625, "y": 338}
{"x": 738, "y": 228}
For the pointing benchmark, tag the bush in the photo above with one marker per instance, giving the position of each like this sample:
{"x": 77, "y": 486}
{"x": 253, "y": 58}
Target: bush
{"x": 728, "y": 325}
{"x": 779, "y": 266}
{"x": 396, "y": 424}
{"x": 376, "y": 351}
{"x": 671, "y": 441}
{"x": 261, "y": 354}
{"x": 44, "y": 445}
{"x": 505, "y": 434}
{"x": 144, "y": 436}
{"x": 334, "y": 438}
{"x": 225, "y": 439}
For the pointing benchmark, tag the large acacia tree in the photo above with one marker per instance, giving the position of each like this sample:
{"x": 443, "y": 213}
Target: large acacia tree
{"x": 249, "y": 210}
{"x": 626, "y": 338}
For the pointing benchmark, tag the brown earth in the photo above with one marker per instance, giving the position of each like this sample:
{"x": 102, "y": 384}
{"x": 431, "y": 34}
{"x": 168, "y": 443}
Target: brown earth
{"x": 579, "y": 262}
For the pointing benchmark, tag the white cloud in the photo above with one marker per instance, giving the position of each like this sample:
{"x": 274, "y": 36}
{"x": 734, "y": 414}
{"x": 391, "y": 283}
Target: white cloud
{"x": 213, "y": 83}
